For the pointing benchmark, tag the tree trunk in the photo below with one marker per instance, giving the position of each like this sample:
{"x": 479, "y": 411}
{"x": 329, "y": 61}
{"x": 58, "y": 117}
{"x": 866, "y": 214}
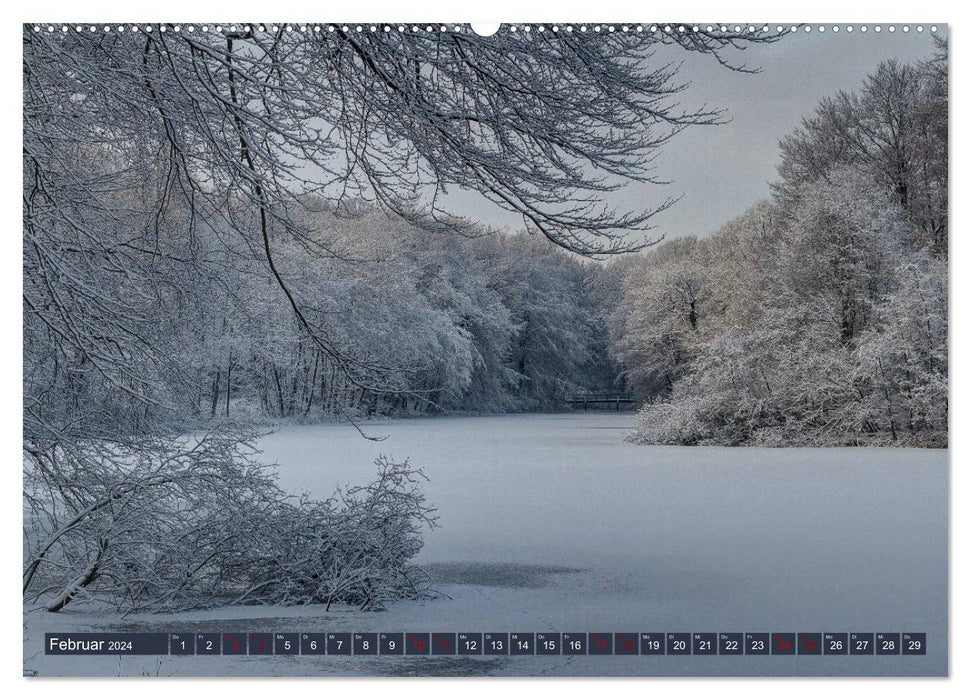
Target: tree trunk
{"x": 76, "y": 586}
{"x": 229, "y": 378}
{"x": 215, "y": 393}
{"x": 279, "y": 391}
{"x": 313, "y": 385}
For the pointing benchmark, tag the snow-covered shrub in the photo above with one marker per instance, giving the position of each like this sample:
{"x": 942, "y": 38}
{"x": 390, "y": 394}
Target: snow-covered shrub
{"x": 355, "y": 547}
{"x": 197, "y": 523}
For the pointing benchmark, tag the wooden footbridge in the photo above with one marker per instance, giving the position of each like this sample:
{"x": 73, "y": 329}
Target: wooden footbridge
{"x": 601, "y": 402}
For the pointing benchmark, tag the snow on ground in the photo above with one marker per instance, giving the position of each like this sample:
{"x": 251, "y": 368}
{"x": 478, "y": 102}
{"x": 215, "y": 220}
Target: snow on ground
{"x": 552, "y": 523}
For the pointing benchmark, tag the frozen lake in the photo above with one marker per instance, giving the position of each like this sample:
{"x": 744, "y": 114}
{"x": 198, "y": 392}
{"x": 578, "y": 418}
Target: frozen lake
{"x": 553, "y": 523}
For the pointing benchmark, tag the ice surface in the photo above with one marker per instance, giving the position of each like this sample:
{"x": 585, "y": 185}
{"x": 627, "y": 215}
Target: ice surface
{"x": 553, "y": 523}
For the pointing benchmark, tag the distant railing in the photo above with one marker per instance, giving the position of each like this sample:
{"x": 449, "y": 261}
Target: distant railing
{"x": 601, "y": 402}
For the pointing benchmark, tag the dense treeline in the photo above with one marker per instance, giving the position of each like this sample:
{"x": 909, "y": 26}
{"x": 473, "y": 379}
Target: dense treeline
{"x": 484, "y": 324}
{"x": 819, "y": 317}
{"x": 479, "y": 324}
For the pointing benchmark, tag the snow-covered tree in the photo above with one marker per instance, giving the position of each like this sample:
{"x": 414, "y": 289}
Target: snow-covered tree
{"x": 896, "y": 128}
{"x": 656, "y": 326}
{"x": 848, "y": 345}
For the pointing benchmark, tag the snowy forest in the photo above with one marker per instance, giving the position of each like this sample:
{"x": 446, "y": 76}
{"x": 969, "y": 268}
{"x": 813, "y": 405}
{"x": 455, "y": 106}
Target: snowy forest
{"x": 232, "y": 229}
{"x": 818, "y": 317}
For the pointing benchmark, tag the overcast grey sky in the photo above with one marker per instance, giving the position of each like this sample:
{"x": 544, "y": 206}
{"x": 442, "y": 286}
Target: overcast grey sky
{"x": 723, "y": 170}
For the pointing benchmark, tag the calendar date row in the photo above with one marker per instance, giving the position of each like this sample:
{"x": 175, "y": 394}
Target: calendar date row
{"x": 489, "y": 643}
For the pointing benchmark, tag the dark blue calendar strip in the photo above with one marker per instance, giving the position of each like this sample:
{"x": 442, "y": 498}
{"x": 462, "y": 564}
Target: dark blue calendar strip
{"x": 486, "y": 643}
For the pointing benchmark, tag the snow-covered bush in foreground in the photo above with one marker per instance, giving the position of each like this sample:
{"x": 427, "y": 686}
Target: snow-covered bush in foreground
{"x": 159, "y": 526}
